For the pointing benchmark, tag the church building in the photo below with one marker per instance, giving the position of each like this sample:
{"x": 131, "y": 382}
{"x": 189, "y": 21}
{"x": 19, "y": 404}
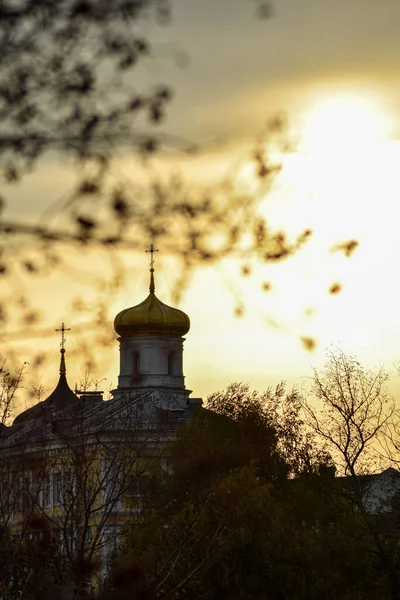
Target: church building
{"x": 151, "y": 337}
{"x": 78, "y": 462}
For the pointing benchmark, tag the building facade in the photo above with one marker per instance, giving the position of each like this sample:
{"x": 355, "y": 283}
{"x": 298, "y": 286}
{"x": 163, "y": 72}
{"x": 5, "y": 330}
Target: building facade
{"x": 73, "y": 465}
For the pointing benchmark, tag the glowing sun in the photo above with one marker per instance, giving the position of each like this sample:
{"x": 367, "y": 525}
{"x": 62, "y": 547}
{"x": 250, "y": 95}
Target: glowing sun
{"x": 343, "y": 123}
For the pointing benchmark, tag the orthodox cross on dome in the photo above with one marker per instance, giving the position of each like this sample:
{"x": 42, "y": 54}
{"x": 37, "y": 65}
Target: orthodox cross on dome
{"x": 62, "y": 330}
{"x": 152, "y": 251}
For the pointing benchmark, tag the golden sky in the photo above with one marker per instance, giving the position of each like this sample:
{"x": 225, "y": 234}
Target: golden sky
{"x": 331, "y": 66}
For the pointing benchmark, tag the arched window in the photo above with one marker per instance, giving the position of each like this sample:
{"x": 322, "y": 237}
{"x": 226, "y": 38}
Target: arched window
{"x": 171, "y": 363}
{"x": 136, "y": 363}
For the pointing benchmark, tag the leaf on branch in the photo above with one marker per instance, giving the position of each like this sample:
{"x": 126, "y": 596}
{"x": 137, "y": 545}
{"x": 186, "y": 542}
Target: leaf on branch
{"x": 304, "y": 236}
{"x": 309, "y": 343}
{"x": 120, "y": 206}
{"x": 11, "y": 174}
{"x": 31, "y": 317}
{"x": 86, "y": 223}
{"x": 142, "y": 46}
{"x": 346, "y": 247}
{"x": 30, "y": 266}
{"x": 239, "y": 310}
{"x": 127, "y": 61}
{"x": 88, "y": 187}
{"x": 259, "y": 233}
{"x": 110, "y": 241}
{"x": 278, "y": 255}
{"x": 164, "y": 93}
{"x": 149, "y": 146}
{"x": 335, "y": 288}
{"x": 156, "y": 112}
{"x": 136, "y": 103}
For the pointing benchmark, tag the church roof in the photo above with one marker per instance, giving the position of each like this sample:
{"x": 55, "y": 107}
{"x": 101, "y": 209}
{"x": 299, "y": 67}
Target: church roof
{"x": 59, "y": 400}
{"x": 152, "y": 317}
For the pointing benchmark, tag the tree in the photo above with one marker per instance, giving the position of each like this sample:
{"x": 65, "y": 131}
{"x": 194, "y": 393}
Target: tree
{"x": 355, "y": 411}
{"x": 68, "y": 86}
{"x": 222, "y": 511}
{"x": 59, "y": 61}
{"x": 277, "y": 410}
{"x": 354, "y": 420}
{"x": 69, "y": 492}
{"x": 10, "y": 383}
{"x": 233, "y": 519}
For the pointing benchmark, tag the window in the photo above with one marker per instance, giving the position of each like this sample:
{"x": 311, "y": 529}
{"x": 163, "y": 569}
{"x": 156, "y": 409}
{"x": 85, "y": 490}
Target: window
{"x": 88, "y": 536}
{"x": 67, "y": 487}
{"x": 111, "y": 542}
{"x": 46, "y": 490}
{"x": 89, "y": 499}
{"x": 136, "y": 363}
{"x": 133, "y": 488}
{"x": 4, "y": 494}
{"x": 112, "y": 483}
{"x": 17, "y": 494}
{"x": 26, "y": 499}
{"x": 57, "y": 488}
{"x": 171, "y": 363}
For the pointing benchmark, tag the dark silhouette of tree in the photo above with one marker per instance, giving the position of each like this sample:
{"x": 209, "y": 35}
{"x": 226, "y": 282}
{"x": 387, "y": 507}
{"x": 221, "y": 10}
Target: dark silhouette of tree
{"x": 68, "y": 85}
{"x": 354, "y": 420}
{"x": 354, "y": 413}
{"x": 233, "y": 519}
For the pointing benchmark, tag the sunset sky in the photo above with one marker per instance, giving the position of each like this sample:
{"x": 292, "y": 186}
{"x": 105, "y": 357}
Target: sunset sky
{"x": 331, "y": 67}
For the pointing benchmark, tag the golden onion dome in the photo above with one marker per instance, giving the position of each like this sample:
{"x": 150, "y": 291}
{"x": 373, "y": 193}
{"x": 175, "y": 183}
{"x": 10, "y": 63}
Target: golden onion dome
{"x": 152, "y": 317}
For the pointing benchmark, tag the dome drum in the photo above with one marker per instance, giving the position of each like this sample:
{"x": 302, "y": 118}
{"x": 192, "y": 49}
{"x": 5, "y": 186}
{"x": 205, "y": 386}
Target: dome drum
{"x": 151, "y": 337}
